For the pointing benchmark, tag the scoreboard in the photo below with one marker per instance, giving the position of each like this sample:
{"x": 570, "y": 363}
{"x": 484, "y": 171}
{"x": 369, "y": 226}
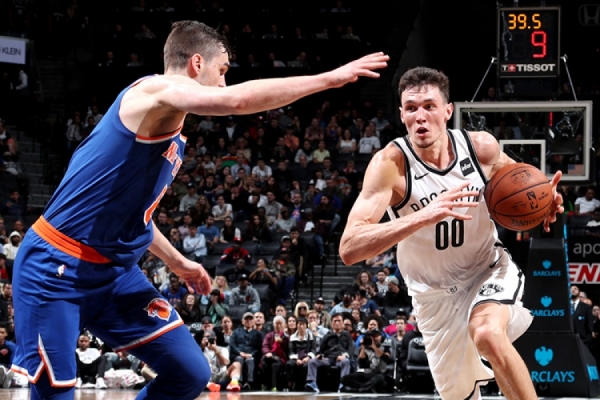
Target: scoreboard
{"x": 528, "y": 42}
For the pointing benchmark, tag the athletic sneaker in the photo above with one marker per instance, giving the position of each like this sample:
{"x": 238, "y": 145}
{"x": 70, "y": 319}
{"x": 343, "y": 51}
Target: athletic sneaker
{"x": 78, "y": 383}
{"x": 8, "y": 379}
{"x": 233, "y": 387}
{"x": 312, "y": 386}
{"x": 100, "y": 384}
{"x": 88, "y": 385}
{"x": 213, "y": 387}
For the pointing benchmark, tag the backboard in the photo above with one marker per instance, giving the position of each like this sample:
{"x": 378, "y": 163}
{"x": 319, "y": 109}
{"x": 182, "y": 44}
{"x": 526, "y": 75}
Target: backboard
{"x": 551, "y": 135}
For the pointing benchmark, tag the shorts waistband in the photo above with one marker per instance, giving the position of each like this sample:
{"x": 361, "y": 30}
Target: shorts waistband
{"x": 67, "y": 245}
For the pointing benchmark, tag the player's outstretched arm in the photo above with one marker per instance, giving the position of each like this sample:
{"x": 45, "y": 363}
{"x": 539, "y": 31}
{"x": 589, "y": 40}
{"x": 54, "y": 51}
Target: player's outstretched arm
{"x": 194, "y": 274}
{"x": 264, "y": 94}
{"x": 364, "y": 237}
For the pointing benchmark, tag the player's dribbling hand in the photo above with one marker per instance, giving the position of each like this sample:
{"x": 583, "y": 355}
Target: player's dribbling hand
{"x": 362, "y": 67}
{"x": 442, "y": 206}
{"x": 557, "y": 201}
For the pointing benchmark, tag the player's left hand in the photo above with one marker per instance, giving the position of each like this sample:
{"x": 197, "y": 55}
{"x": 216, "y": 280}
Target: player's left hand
{"x": 195, "y": 276}
{"x": 557, "y": 201}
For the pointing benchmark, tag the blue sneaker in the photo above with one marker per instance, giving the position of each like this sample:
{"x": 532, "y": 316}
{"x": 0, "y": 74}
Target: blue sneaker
{"x": 312, "y": 386}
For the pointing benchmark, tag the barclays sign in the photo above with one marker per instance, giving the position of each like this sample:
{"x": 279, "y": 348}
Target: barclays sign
{"x": 544, "y": 357}
{"x": 546, "y": 301}
{"x": 546, "y": 271}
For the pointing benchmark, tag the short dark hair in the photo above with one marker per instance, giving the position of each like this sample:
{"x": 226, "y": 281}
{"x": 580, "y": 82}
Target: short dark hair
{"x": 423, "y": 76}
{"x": 192, "y": 37}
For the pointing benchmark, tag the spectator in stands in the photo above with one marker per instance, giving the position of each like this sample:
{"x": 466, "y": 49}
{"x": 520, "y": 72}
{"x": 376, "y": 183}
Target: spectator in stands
{"x": 297, "y": 204}
{"x": 325, "y": 214}
{"x": 189, "y": 200}
{"x": 259, "y": 323}
{"x": 257, "y": 230}
{"x": 285, "y": 222}
{"x": 381, "y": 124}
{"x": 382, "y": 285}
{"x": 262, "y": 276}
{"x": 3, "y": 276}
{"x": 245, "y": 347}
{"x": 203, "y": 209}
{"x": 261, "y": 172}
{"x": 91, "y": 365}
{"x": 314, "y": 132}
{"x": 194, "y": 246}
{"x": 12, "y": 247}
{"x": 275, "y": 349}
{"x": 210, "y": 231}
{"x": 271, "y": 186}
{"x": 303, "y": 346}
{"x": 184, "y": 228}
{"x": 320, "y": 153}
{"x": 372, "y": 364}
{"x": 234, "y": 253}
{"x": 207, "y": 325}
{"x": 162, "y": 223}
{"x": 221, "y": 210}
{"x": 3, "y": 235}
{"x": 74, "y": 134}
{"x": 586, "y": 205}
{"x": 346, "y": 143}
{"x": 324, "y": 316}
{"x": 15, "y": 205}
{"x": 170, "y": 201}
{"x": 227, "y": 326}
{"x": 7, "y": 142}
{"x": 344, "y": 306}
{"x": 272, "y": 208}
{"x": 369, "y": 143}
{"x": 245, "y": 295}
{"x": 403, "y": 349}
{"x": 241, "y": 164}
{"x": 175, "y": 239}
{"x": 7, "y": 352}
{"x": 218, "y": 360}
{"x": 175, "y": 292}
{"x": 367, "y": 306}
{"x": 303, "y": 154}
{"x": 291, "y": 325}
{"x": 361, "y": 281}
{"x": 371, "y": 323}
{"x": 336, "y": 348}
{"x": 396, "y": 296}
{"x": 229, "y": 232}
{"x": 396, "y": 340}
{"x": 221, "y": 284}
{"x": 285, "y": 272}
{"x": 188, "y": 309}
{"x": 217, "y": 309}
{"x": 339, "y": 8}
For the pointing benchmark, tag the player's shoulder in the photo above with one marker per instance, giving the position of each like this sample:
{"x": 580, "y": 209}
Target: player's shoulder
{"x": 158, "y": 83}
{"x": 485, "y": 145}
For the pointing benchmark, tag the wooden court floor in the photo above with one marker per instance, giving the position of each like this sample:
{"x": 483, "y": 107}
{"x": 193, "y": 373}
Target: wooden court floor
{"x": 116, "y": 394}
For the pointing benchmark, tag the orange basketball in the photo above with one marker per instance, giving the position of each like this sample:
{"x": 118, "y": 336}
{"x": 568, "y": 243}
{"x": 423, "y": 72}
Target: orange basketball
{"x": 518, "y": 197}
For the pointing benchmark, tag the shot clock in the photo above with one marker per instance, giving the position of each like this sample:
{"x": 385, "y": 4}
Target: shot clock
{"x": 528, "y": 42}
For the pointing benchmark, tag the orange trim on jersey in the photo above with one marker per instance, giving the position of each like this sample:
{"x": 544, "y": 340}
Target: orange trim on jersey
{"x": 160, "y": 137}
{"x": 67, "y": 245}
{"x": 160, "y": 332}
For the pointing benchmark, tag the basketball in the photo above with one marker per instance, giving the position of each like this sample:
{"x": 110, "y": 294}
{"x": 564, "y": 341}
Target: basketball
{"x": 518, "y": 197}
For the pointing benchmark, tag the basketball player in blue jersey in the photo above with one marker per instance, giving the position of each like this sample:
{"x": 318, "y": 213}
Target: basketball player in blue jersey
{"x": 77, "y": 266}
{"x": 466, "y": 290}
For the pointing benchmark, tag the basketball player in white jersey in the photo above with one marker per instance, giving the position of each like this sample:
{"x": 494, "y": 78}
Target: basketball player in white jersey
{"x": 466, "y": 290}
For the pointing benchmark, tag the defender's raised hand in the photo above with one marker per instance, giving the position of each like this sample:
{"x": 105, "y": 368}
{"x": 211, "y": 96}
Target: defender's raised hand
{"x": 364, "y": 66}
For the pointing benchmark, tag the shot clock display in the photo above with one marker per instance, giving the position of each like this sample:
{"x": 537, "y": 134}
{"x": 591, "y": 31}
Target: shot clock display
{"x": 528, "y": 42}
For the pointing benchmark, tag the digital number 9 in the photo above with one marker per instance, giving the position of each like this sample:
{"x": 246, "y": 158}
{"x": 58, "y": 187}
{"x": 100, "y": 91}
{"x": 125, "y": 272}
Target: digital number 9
{"x": 539, "y": 39}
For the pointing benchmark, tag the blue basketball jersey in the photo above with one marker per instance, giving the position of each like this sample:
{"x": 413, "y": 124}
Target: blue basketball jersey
{"x": 112, "y": 186}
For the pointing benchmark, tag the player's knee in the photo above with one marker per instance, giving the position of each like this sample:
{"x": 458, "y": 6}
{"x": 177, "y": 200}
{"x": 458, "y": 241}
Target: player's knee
{"x": 488, "y": 339}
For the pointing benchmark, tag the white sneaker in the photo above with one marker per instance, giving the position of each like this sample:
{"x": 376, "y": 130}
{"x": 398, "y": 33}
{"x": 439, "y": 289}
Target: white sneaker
{"x": 88, "y": 386}
{"x": 100, "y": 384}
{"x": 78, "y": 383}
{"x": 8, "y": 379}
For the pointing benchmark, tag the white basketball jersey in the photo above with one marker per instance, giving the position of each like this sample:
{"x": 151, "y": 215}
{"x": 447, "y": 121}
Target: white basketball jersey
{"x": 452, "y": 251}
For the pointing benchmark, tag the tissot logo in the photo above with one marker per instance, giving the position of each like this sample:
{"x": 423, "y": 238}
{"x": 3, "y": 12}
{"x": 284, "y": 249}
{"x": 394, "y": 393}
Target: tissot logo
{"x": 589, "y": 15}
{"x": 466, "y": 167}
{"x": 549, "y": 67}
